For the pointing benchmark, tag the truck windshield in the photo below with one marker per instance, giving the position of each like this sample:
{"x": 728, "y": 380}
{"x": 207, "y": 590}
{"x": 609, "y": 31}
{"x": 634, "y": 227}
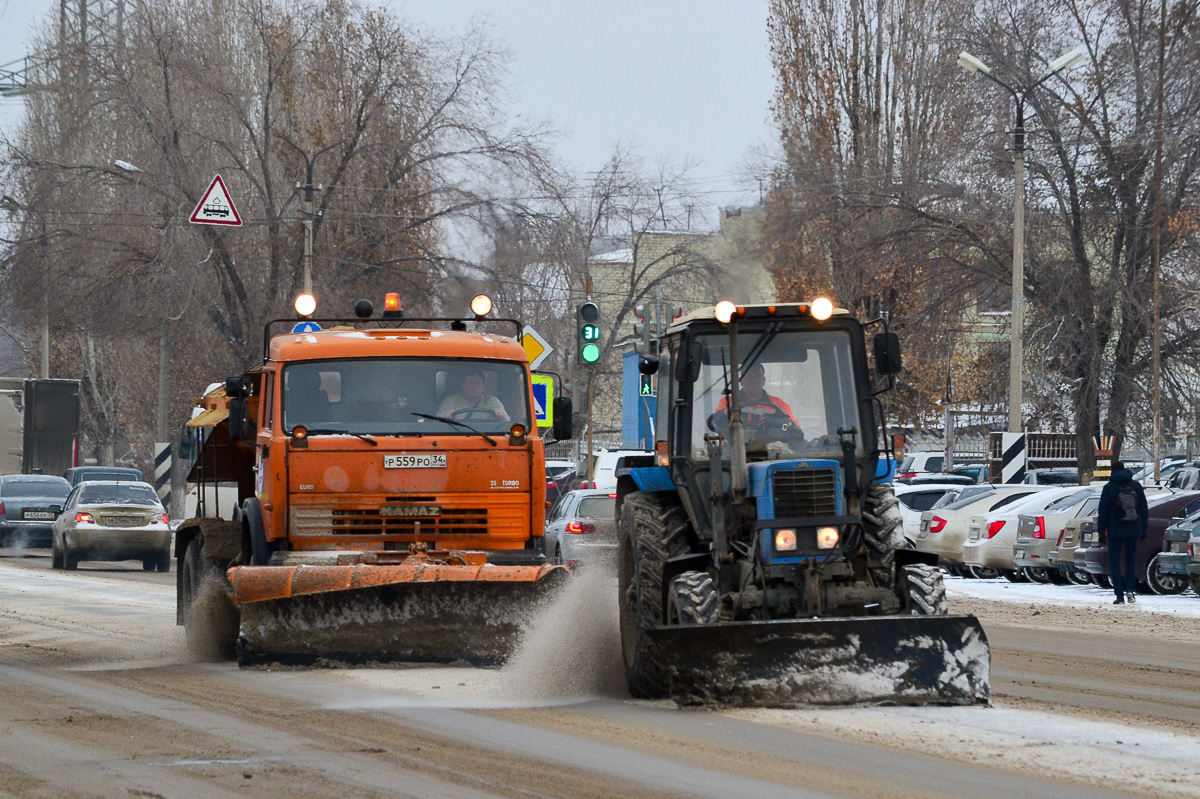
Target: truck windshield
{"x": 380, "y": 396}
{"x": 798, "y": 389}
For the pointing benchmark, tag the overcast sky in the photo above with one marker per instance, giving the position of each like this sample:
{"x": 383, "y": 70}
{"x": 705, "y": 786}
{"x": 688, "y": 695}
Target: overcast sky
{"x": 676, "y": 78}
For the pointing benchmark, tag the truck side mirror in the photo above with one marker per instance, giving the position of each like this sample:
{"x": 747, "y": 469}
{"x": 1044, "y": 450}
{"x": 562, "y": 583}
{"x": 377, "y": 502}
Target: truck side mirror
{"x": 237, "y": 412}
{"x": 887, "y": 354}
{"x": 564, "y": 418}
{"x": 687, "y": 365}
{"x": 237, "y": 386}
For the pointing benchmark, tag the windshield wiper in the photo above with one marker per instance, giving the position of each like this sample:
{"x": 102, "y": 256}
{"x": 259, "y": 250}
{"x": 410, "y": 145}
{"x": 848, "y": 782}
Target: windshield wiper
{"x": 362, "y": 436}
{"x": 457, "y": 423}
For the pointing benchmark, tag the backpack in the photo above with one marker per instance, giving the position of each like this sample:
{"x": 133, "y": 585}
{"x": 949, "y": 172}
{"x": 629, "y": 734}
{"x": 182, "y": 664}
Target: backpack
{"x": 1126, "y": 508}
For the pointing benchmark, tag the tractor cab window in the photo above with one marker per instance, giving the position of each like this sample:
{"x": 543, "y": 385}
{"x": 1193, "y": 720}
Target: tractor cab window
{"x": 402, "y": 396}
{"x": 797, "y": 390}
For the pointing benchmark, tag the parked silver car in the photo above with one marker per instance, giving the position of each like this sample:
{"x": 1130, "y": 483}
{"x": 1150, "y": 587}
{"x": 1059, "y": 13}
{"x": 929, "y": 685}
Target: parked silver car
{"x": 108, "y": 520}
{"x": 582, "y": 528}
{"x": 29, "y": 504}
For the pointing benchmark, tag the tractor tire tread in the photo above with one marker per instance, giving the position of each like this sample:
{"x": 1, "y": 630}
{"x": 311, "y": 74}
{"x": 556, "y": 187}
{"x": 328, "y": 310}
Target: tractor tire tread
{"x": 883, "y": 531}
{"x": 924, "y": 590}
{"x": 694, "y": 598}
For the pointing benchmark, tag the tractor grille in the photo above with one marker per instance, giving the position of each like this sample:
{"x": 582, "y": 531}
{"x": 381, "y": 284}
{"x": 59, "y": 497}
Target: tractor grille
{"x": 805, "y": 492}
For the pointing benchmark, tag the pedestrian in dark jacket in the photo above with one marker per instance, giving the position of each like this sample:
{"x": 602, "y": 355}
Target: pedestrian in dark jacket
{"x": 1123, "y": 517}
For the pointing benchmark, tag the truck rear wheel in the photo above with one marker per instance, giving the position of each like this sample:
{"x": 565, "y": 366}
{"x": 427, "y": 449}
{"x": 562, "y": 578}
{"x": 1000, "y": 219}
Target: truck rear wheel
{"x": 651, "y": 530}
{"x": 923, "y": 591}
{"x": 692, "y": 599}
{"x": 883, "y": 531}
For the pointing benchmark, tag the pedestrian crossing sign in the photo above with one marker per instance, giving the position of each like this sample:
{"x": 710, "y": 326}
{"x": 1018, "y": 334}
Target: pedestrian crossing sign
{"x": 543, "y": 400}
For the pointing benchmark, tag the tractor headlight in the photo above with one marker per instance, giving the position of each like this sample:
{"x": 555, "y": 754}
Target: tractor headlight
{"x": 827, "y": 537}
{"x": 785, "y": 540}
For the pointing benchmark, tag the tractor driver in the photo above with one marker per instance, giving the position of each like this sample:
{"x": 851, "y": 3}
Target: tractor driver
{"x": 769, "y": 416}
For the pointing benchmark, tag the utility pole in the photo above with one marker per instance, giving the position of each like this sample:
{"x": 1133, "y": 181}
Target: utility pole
{"x": 1158, "y": 181}
{"x": 309, "y": 194}
{"x": 1017, "y": 337}
{"x": 591, "y": 424}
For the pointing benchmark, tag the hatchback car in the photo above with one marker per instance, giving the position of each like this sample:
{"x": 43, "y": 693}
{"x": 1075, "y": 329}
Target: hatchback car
{"x": 1167, "y": 572}
{"x": 944, "y": 528}
{"x": 1040, "y": 533}
{"x": 29, "y": 504}
{"x": 582, "y": 528}
{"x": 109, "y": 520}
{"x": 991, "y": 534}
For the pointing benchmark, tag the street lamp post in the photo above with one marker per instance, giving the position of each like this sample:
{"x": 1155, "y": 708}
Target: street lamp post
{"x": 1017, "y": 319}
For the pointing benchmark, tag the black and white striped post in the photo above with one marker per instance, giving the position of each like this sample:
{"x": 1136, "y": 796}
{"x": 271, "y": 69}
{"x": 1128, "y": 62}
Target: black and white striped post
{"x": 1012, "y": 458}
{"x": 162, "y": 473}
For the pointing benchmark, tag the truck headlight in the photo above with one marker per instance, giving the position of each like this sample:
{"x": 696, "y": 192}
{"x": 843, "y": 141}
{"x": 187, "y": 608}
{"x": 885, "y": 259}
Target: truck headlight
{"x": 827, "y": 537}
{"x": 785, "y": 540}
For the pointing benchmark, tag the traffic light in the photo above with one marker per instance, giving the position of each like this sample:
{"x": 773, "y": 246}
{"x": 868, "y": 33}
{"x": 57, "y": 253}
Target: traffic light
{"x": 587, "y": 317}
{"x": 641, "y": 330}
{"x": 646, "y": 385}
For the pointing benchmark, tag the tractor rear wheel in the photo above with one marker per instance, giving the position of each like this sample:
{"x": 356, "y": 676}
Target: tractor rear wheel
{"x": 652, "y": 529}
{"x": 692, "y": 599}
{"x": 883, "y": 531}
{"x": 923, "y": 591}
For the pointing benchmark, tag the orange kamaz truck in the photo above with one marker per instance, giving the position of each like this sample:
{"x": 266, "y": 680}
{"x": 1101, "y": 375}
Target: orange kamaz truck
{"x": 391, "y": 494}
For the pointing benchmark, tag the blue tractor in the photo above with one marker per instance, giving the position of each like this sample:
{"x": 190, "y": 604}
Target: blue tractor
{"x": 760, "y": 558}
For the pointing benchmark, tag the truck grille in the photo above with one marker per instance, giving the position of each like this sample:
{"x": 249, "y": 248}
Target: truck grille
{"x": 805, "y": 492}
{"x": 368, "y": 522}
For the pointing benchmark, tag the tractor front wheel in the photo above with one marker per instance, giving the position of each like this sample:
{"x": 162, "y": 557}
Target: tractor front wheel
{"x": 652, "y": 529}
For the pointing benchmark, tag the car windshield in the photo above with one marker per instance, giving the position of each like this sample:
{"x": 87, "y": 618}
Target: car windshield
{"x": 131, "y": 494}
{"x": 597, "y": 508}
{"x": 798, "y": 390}
{"x": 54, "y": 487}
{"x": 397, "y": 396}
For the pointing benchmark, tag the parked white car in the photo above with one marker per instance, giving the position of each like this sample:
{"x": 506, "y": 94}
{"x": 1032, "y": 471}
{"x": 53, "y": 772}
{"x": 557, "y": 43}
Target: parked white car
{"x": 944, "y": 528}
{"x": 920, "y": 463}
{"x": 605, "y": 476}
{"x": 916, "y": 499}
{"x": 991, "y": 534}
{"x": 582, "y": 528}
{"x": 1038, "y": 535}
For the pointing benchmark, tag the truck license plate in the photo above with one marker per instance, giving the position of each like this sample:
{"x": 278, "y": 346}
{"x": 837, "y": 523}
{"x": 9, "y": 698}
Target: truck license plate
{"x": 38, "y": 514}
{"x": 402, "y": 460}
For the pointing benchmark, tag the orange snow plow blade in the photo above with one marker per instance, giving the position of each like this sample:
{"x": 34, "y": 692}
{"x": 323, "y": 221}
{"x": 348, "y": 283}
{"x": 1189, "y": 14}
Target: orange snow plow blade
{"x": 436, "y": 606}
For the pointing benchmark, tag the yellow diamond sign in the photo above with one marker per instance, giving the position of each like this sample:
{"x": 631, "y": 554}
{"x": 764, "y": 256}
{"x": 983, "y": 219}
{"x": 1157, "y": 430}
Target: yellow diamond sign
{"x": 537, "y": 349}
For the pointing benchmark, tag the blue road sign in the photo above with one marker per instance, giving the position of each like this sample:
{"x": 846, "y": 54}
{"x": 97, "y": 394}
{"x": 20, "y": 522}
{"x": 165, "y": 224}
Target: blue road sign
{"x": 543, "y": 400}
{"x": 306, "y": 327}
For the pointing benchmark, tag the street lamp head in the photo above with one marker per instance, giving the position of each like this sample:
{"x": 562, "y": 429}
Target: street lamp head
{"x": 1066, "y": 62}
{"x": 125, "y": 166}
{"x": 972, "y": 64}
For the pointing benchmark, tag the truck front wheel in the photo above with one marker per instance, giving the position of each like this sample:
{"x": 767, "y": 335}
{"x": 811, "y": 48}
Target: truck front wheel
{"x": 651, "y": 530}
{"x": 210, "y": 619}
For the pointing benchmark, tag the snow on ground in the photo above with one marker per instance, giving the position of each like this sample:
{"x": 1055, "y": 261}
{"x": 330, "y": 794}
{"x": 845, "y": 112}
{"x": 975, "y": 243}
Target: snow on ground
{"x": 1001, "y": 590}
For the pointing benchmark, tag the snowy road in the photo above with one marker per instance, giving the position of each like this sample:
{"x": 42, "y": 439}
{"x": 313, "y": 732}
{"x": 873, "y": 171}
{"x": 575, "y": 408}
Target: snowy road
{"x": 102, "y": 700}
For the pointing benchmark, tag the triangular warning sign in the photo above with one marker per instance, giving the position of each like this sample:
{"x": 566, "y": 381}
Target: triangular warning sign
{"x": 216, "y": 208}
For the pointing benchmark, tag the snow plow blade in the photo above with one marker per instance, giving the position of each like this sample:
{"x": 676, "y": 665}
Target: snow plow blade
{"x": 412, "y": 611}
{"x": 884, "y": 660}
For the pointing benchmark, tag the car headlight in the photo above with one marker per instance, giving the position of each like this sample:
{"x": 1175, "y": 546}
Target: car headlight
{"x": 785, "y": 540}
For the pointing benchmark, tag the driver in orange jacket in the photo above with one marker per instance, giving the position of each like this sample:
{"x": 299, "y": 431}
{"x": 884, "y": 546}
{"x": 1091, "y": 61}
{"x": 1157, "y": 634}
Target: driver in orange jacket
{"x": 758, "y": 406}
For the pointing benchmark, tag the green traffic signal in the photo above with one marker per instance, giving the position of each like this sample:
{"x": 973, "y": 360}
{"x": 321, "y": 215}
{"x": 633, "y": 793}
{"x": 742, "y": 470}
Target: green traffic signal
{"x": 587, "y": 332}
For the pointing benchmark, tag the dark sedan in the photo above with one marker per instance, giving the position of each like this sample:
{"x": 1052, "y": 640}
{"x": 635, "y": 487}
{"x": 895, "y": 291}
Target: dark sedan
{"x": 29, "y": 504}
{"x": 1165, "y": 509}
{"x": 1168, "y": 572}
